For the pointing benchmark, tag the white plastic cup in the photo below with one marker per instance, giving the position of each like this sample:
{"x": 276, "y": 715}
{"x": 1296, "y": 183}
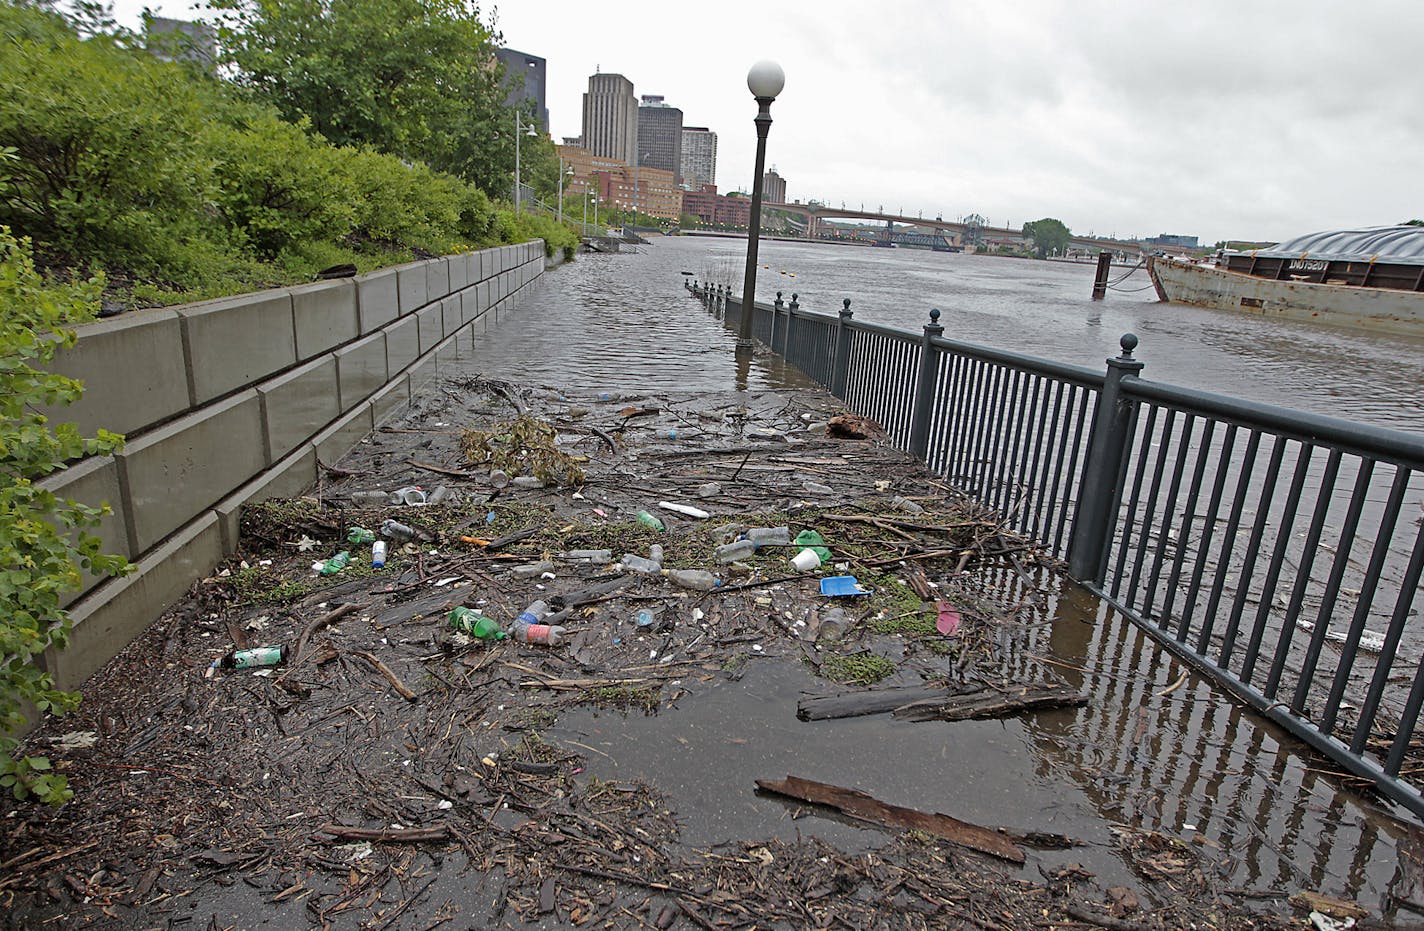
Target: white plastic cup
{"x": 806, "y": 560}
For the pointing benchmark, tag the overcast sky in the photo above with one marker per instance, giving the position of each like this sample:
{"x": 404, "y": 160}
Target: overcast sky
{"x": 1245, "y": 120}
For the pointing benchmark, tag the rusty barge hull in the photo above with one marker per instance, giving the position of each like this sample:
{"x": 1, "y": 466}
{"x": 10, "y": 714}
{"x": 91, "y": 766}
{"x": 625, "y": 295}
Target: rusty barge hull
{"x": 1382, "y": 310}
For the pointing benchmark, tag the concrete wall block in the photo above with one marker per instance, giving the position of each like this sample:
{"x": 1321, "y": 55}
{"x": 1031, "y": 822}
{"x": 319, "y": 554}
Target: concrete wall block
{"x": 95, "y": 482}
{"x": 361, "y": 369}
{"x": 484, "y": 260}
{"x": 390, "y": 400}
{"x": 298, "y": 404}
{"x": 287, "y": 479}
{"x": 437, "y": 279}
{"x": 341, "y": 437}
{"x": 116, "y": 612}
{"x": 450, "y": 310}
{"x": 472, "y": 268}
{"x": 132, "y": 369}
{"x": 235, "y": 342}
{"x": 413, "y": 285}
{"x": 377, "y": 299}
{"x": 459, "y": 271}
{"x": 431, "y": 322}
{"x": 402, "y": 344}
{"x": 172, "y": 473}
{"x": 325, "y": 315}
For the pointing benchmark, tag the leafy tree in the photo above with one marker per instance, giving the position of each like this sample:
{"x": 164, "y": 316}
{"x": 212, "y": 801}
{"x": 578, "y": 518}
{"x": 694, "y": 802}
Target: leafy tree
{"x": 1048, "y": 235}
{"x": 414, "y": 78}
{"x": 43, "y": 538}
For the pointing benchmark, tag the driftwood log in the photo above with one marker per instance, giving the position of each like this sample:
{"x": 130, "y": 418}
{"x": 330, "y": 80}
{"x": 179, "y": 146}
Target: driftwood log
{"x": 990, "y": 703}
{"x": 863, "y": 807}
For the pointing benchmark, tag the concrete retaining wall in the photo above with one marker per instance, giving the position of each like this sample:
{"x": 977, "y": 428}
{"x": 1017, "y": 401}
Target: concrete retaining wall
{"x": 230, "y": 401}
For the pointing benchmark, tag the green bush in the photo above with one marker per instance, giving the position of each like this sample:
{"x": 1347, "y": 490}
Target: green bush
{"x": 43, "y": 539}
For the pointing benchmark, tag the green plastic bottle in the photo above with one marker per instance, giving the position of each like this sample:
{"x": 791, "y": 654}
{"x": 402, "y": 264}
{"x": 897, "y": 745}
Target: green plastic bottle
{"x": 359, "y": 535}
{"x": 336, "y": 563}
{"x": 650, "y": 520}
{"x": 471, "y": 622}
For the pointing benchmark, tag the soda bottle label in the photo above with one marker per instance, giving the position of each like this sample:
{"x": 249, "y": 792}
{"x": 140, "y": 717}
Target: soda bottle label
{"x": 260, "y": 656}
{"x": 537, "y": 633}
{"x": 531, "y": 619}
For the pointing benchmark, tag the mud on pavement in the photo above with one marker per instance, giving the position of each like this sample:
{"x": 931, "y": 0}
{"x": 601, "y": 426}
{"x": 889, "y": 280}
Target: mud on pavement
{"x": 392, "y": 773}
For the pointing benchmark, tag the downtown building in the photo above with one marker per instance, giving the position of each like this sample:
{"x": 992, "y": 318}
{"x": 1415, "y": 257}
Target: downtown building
{"x": 698, "y": 166}
{"x": 610, "y": 118}
{"x": 659, "y": 135}
{"x": 773, "y": 188}
{"x": 650, "y": 191}
{"x": 523, "y": 81}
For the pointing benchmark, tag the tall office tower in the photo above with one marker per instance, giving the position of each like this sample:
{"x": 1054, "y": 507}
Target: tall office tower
{"x": 773, "y": 188}
{"x": 699, "y": 157}
{"x": 660, "y": 135}
{"x": 610, "y": 118}
{"x": 524, "y": 79}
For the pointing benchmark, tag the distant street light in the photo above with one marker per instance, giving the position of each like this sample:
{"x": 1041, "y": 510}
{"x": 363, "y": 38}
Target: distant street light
{"x": 765, "y": 80}
{"x": 519, "y": 129}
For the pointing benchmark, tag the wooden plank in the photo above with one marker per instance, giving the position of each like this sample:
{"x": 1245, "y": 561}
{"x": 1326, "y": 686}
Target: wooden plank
{"x": 871, "y": 701}
{"x": 863, "y": 807}
{"x": 990, "y": 703}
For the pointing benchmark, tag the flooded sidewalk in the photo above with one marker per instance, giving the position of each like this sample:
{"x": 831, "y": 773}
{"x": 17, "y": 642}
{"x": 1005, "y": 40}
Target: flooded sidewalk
{"x": 723, "y": 739}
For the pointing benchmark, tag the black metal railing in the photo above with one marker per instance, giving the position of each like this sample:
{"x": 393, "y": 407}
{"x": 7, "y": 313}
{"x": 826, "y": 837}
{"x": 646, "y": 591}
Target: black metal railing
{"x": 1277, "y": 551}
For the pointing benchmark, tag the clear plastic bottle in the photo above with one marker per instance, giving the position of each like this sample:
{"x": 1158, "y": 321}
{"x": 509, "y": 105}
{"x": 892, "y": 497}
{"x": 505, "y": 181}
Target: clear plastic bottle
{"x": 638, "y": 564}
{"x": 528, "y": 481}
{"x": 592, "y": 557}
{"x": 533, "y": 569}
{"x": 731, "y": 552}
{"x": 697, "y": 579}
{"x": 533, "y": 614}
{"x": 655, "y": 553}
{"x": 396, "y": 530}
{"x": 774, "y": 536}
{"x": 499, "y": 478}
{"x": 378, "y": 554}
{"x": 906, "y": 505}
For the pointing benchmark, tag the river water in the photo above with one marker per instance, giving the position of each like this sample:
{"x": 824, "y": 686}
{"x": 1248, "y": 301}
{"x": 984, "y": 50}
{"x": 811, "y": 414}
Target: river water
{"x": 629, "y": 313}
{"x": 1148, "y": 751}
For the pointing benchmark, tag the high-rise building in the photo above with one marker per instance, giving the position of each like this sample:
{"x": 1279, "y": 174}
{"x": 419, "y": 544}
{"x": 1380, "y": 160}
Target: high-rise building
{"x": 773, "y": 188}
{"x": 181, "y": 40}
{"x": 660, "y": 135}
{"x": 524, "y": 80}
{"x": 699, "y": 157}
{"x": 610, "y": 118}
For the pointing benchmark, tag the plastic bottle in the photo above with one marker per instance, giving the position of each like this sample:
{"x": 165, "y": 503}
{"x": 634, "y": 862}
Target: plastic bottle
{"x": 650, "y": 520}
{"x": 471, "y": 622}
{"x": 528, "y": 481}
{"x": 254, "y": 658}
{"x": 698, "y": 579}
{"x": 370, "y": 498}
{"x": 499, "y": 478}
{"x": 709, "y": 490}
{"x": 655, "y": 553}
{"x": 336, "y": 563}
{"x": 378, "y": 554}
{"x": 640, "y": 565}
{"x": 541, "y": 634}
{"x": 906, "y": 505}
{"x": 533, "y": 569}
{"x": 774, "y": 536}
{"x": 833, "y": 626}
{"x": 360, "y": 535}
{"x": 533, "y": 614}
{"x": 397, "y": 531}
{"x": 592, "y": 557}
{"x": 816, "y": 488}
{"x": 731, "y": 552}
{"x": 410, "y": 494}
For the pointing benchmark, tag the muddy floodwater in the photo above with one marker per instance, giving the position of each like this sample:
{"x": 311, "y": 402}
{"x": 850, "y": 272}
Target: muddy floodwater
{"x": 1149, "y": 751}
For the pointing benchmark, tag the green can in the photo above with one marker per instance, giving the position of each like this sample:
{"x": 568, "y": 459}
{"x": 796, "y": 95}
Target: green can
{"x": 360, "y": 535}
{"x": 471, "y": 622}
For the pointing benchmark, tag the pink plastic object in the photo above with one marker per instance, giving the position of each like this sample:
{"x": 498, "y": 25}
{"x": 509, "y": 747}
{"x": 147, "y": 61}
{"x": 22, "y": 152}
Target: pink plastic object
{"x": 948, "y": 623}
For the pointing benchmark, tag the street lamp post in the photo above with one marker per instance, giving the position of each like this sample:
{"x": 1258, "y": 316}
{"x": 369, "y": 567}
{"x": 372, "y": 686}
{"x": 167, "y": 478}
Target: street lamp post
{"x": 518, "y": 131}
{"x": 562, "y": 175}
{"x": 765, "y": 80}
